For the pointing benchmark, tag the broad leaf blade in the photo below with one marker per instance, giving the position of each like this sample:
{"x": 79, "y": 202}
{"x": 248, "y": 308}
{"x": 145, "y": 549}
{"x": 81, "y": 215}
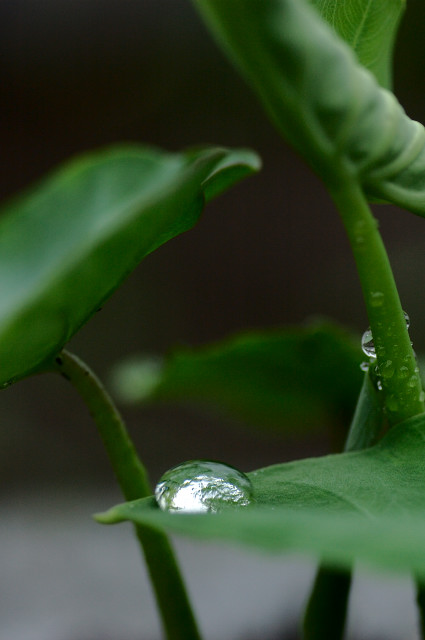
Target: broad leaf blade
{"x": 364, "y": 506}
{"x": 369, "y": 28}
{"x": 327, "y": 105}
{"x": 66, "y": 246}
{"x": 291, "y": 378}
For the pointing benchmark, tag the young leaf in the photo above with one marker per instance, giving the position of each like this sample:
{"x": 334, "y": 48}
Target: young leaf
{"x": 285, "y": 378}
{"x": 366, "y": 506}
{"x": 67, "y": 245}
{"x": 327, "y": 105}
{"x": 369, "y": 28}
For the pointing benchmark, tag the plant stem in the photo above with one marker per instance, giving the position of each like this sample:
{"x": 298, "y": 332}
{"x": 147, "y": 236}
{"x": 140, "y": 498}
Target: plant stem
{"x": 368, "y": 419}
{"x": 420, "y": 600}
{"x": 326, "y": 611}
{"x": 402, "y": 394}
{"x": 401, "y": 384}
{"x": 327, "y": 607}
{"x": 173, "y": 602}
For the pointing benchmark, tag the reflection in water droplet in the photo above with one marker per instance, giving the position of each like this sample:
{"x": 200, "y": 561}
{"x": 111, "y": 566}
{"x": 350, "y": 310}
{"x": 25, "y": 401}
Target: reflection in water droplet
{"x": 201, "y": 486}
{"x": 367, "y": 344}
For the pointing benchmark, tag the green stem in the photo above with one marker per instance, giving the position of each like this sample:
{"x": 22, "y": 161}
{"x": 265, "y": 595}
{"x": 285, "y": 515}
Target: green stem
{"x": 326, "y": 611}
{"x": 368, "y": 420}
{"x": 327, "y": 607}
{"x": 401, "y": 384}
{"x": 402, "y": 394}
{"x": 420, "y": 600}
{"x": 173, "y": 602}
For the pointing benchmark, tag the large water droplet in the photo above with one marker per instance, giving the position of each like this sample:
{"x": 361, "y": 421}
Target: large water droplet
{"x": 201, "y": 486}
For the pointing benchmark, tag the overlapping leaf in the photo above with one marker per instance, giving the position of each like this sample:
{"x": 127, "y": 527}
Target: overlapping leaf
{"x": 321, "y": 99}
{"x": 67, "y": 245}
{"x": 284, "y": 378}
{"x": 366, "y": 506}
{"x": 369, "y": 28}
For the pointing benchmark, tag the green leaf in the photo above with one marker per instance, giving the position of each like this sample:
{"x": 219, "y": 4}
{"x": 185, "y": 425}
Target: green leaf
{"x": 366, "y": 506}
{"x": 288, "y": 378}
{"x": 68, "y": 244}
{"x": 327, "y": 105}
{"x": 369, "y": 28}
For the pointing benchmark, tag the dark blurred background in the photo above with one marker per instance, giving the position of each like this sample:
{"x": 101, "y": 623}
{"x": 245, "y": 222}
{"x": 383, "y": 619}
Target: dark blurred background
{"x": 81, "y": 74}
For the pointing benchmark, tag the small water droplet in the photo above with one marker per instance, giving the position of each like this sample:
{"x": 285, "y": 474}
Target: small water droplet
{"x": 387, "y": 369}
{"x": 413, "y": 382}
{"x": 392, "y": 402}
{"x": 367, "y": 344}
{"x": 377, "y": 298}
{"x": 403, "y": 372}
{"x": 379, "y": 384}
{"x": 406, "y": 317}
{"x": 364, "y": 366}
{"x": 201, "y": 486}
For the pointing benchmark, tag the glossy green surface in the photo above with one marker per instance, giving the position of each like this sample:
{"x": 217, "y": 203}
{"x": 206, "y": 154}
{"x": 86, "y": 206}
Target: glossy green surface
{"x": 70, "y": 242}
{"x": 366, "y": 506}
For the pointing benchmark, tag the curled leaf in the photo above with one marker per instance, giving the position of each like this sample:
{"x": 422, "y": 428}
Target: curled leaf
{"x": 324, "y": 102}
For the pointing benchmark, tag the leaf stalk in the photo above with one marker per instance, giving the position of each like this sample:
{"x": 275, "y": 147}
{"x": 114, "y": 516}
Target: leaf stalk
{"x": 172, "y": 599}
{"x": 396, "y": 362}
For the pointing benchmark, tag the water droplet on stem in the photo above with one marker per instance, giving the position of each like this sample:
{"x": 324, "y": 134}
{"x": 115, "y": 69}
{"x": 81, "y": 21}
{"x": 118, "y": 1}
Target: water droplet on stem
{"x": 368, "y": 346}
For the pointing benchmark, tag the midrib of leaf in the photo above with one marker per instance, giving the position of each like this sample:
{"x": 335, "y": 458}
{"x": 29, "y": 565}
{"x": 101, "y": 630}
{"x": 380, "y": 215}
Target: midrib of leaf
{"x": 361, "y": 26}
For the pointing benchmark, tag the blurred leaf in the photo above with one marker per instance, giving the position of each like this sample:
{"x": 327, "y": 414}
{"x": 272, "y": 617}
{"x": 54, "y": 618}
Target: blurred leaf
{"x": 322, "y": 100}
{"x": 369, "y": 28}
{"x": 68, "y": 244}
{"x": 366, "y": 506}
{"x": 287, "y": 378}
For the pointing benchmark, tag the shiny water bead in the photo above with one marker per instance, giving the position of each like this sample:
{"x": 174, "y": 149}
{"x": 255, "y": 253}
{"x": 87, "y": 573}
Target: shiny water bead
{"x": 201, "y": 486}
{"x": 406, "y": 317}
{"x": 368, "y": 346}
